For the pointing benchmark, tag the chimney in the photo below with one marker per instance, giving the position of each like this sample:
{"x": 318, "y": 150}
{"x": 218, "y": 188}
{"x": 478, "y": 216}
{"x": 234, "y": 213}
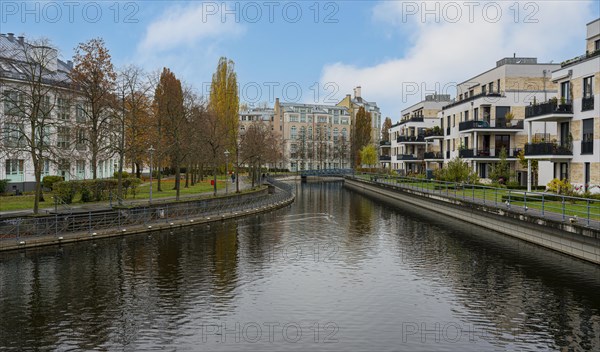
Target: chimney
{"x": 357, "y": 92}
{"x": 21, "y": 39}
{"x": 11, "y": 36}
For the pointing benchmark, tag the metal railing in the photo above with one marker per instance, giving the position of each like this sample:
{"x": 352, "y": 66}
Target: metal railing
{"x": 558, "y": 207}
{"x": 492, "y": 124}
{"x": 61, "y": 224}
{"x": 547, "y": 149}
{"x": 549, "y": 107}
{"x": 587, "y": 103}
{"x": 488, "y": 153}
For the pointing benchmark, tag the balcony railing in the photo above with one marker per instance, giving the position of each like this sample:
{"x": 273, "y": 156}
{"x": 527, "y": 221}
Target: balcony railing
{"x": 587, "y": 147}
{"x": 412, "y": 119}
{"x": 402, "y": 139}
{"x": 434, "y": 132}
{"x": 473, "y": 97}
{"x": 493, "y": 124}
{"x": 384, "y": 143}
{"x": 385, "y": 158}
{"x": 405, "y": 157}
{"x": 433, "y": 155}
{"x": 533, "y": 149}
{"x": 549, "y": 107}
{"x": 487, "y": 153}
{"x": 587, "y": 103}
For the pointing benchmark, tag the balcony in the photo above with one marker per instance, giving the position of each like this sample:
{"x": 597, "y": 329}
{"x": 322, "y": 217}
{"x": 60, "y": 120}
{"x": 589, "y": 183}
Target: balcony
{"x": 385, "y": 158}
{"x": 473, "y": 97}
{"x": 412, "y": 119}
{"x": 587, "y": 147}
{"x": 492, "y": 125}
{"x": 548, "y": 150}
{"x": 411, "y": 139}
{"x": 487, "y": 153}
{"x": 408, "y": 157}
{"x": 587, "y": 103}
{"x": 385, "y": 143}
{"x": 550, "y": 111}
{"x": 433, "y": 133}
{"x": 433, "y": 155}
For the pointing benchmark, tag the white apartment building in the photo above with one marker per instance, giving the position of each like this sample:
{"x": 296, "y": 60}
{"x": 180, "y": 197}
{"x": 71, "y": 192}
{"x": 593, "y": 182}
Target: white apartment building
{"x": 63, "y": 133}
{"x": 574, "y": 152}
{"x": 314, "y": 136}
{"x": 488, "y": 115}
{"x": 416, "y": 138}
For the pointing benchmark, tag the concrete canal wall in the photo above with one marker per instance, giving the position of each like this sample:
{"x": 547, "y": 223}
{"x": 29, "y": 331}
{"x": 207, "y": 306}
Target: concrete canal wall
{"x": 572, "y": 239}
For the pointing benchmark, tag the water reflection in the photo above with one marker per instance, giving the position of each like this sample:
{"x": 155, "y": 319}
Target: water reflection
{"x": 383, "y": 278}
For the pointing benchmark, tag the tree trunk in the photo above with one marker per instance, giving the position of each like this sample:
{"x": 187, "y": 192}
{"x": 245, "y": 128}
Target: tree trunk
{"x": 237, "y": 170}
{"x": 177, "y": 180}
{"x": 215, "y": 180}
{"x": 187, "y": 176}
{"x": 158, "y": 178}
{"x": 38, "y": 186}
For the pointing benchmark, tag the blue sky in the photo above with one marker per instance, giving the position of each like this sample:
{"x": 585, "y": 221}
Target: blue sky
{"x": 387, "y": 47}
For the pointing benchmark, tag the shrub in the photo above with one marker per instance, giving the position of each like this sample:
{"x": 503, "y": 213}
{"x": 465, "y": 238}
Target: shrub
{"x": 49, "y": 181}
{"x": 456, "y": 170}
{"x": 65, "y": 191}
{"x": 3, "y": 186}
{"x": 560, "y": 186}
{"x": 124, "y": 174}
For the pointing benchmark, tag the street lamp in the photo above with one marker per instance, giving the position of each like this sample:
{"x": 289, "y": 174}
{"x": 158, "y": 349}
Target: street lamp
{"x": 226, "y": 172}
{"x": 151, "y": 151}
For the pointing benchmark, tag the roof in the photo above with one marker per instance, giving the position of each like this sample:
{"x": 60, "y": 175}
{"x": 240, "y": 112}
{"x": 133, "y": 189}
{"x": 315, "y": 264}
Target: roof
{"x": 14, "y": 61}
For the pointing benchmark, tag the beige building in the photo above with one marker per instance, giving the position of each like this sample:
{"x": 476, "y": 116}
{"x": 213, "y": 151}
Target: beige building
{"x": 353, "y": 104}
{"x": 488, "y": 115}
{"x": 314, "y": 136}
{"x": 575, "y": 113}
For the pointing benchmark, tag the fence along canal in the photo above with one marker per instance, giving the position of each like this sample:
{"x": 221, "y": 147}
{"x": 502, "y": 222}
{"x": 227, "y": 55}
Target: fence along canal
{"x": 69, "y": 225}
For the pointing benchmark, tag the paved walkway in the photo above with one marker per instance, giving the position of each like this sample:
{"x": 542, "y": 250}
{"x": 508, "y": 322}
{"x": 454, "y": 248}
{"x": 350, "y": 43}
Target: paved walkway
{"x": 105, "y": 205}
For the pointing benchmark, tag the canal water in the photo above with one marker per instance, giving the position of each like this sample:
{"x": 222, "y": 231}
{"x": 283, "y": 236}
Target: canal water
{"x": 335, "y": 271}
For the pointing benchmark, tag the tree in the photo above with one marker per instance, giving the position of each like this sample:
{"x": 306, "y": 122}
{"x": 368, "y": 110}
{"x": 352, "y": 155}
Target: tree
{"x": 368, "y": 155}
{"x": 224, "y": 103}
{"x": 456, "y": 170}
{"x": 361, "y": 134}
{"x": 534, "y": 166}
{"x": 258, "y": 146}
{"x": 132, "y": 113}
{"x": 500, "y": 172}
{"x": 385, "y": 130}
{"x": 169, "y": 108}
{"x": 29, "y": 106}
{"x": 94, "y": 78}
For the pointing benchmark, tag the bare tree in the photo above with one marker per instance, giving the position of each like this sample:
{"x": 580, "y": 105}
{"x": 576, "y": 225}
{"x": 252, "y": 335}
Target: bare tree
{"x": 31, "y": 95}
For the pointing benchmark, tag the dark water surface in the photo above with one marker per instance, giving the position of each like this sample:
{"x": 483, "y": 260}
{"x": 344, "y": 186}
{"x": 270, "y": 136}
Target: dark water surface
{"x": 335, "y": 271}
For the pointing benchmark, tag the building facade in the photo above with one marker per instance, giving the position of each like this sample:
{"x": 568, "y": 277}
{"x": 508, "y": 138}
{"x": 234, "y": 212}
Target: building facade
{"x": 352, "y": 104}
{"x": 314, "y": 136}
{"x": 60, "y": 123}
{"x": 574, "y": 152}
{"x": 487, "y": 117}
{"x": 417, "y": 135}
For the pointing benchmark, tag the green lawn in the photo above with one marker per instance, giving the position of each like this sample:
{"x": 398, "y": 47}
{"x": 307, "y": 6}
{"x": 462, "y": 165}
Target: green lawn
{"x": 25, "y": 202}
{"x": 495, "y": 197}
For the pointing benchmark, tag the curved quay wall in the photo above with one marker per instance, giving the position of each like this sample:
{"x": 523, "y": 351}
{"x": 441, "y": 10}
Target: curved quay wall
{"x": 241, "y": 205}
{"x": 575, "y": 240}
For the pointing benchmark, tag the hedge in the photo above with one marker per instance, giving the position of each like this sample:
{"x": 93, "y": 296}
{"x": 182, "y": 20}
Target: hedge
{"x": 94, "y": 190}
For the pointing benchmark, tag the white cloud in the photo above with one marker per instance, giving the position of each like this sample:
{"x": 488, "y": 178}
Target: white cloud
{"x": 186, "y": 26}
{"x": 451, "y": 49}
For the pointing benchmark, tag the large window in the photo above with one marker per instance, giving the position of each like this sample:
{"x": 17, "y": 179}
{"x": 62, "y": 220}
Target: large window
{"x": 80, "y": 113}
{"x": 587, "y": 87}
{"x": 587, "y": 138}
{"x": 501, "y": 112}
{"x": 14, "y": 167}
{"x": 565, "y": 91}
{"x": 62, "y": 137}
{"x": 13, "y": 135}
{"x": 62, "y": 105}
{"x": 13, "y": 103}
{"x": 293, "y": 132}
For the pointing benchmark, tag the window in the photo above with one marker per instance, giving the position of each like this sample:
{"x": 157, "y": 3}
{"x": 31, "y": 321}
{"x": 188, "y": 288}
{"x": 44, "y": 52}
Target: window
{"x": 80, "y": 165}
{"x": 491, "y": 87}
{"x": 498, "y": 86}
{"x": 310, "y": 132}
{"x": 587, "y": 87}
{"x": 14, "y": 166}
{"x": 453, "y": 120}
{"x": 344, "y": 134}
{"x": 483, "y": 89}
{"x": 467, "y": 115}
{"x": 80, "y": 113}
{"x": 293, "y": 118}
{"x": 81, "y": 139}
{"x": 597, "y": 45}
{"x": 42, "y": 134}
{"x": 565, "y": 91}
{"x": 587, "y": 140}
{"x": 336, "y": 133}
{"x": 293, "y": 132}
{"x": 13, "y": 103}
{"x": 62, "y": 137}
{"x": 13, "y": 135}
{"x": 45, "y": 167}
{"x": 476, "y": 114}
{"x": 501, "y": 112}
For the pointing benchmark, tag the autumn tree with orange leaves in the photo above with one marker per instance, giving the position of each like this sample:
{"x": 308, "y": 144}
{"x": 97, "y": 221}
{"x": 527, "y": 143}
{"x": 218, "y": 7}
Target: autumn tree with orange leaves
{"x": 93, "y": 77}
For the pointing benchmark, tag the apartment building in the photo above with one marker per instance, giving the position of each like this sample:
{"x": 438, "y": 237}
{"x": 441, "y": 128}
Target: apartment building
{"x": 352, "y": 104}
{"x": 488, "y": 115}
{"x": 416, "y": 138}
{"x": 574, "y": 152}
{"x": 250, "y": 116}
{"x": 62, "y": 132}
{"x": 314, "y": 136}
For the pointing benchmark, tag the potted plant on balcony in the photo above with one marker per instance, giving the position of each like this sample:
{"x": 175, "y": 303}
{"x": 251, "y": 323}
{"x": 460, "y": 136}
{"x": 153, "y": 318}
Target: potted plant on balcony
{"x": 509, "y": 117}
